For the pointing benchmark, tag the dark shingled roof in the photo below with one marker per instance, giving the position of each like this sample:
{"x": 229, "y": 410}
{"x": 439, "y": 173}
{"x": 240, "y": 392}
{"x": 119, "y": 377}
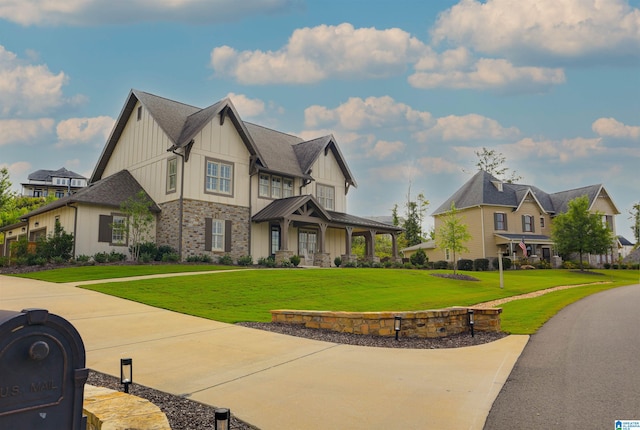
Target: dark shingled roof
{"x": 47, "y": 175}
{"x": 276, "y": 149}
{"x": 482, "y": 189}
{"x": 282, "y": 208}
{"x": 111, "y": 191}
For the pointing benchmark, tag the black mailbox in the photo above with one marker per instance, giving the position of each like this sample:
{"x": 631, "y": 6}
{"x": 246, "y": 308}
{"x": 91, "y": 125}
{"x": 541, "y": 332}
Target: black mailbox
{"x": 42, "y": 372}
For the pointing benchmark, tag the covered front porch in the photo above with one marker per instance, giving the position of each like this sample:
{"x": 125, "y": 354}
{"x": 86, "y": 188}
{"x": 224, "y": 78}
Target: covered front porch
{"x": 321, "y": 235}
{"x": 538, "y": 247}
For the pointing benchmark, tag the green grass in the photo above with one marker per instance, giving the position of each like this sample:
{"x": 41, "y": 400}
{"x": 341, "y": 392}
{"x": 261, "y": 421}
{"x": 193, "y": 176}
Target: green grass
{"x": 250, "y": 295}
{"x": 91, "y": 273}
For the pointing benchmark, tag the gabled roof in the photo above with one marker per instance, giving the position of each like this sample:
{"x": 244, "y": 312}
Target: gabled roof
{"x": 483, "y": 189}
{"x": 624, "y": 241}
{"x": 274, "y": 151}
{"x": 284, "y": 208}
{"x": 47, "y": 175}
{"x": 111, "y": 191}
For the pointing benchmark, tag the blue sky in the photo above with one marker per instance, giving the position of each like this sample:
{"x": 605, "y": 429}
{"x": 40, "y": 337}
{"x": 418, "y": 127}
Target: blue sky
{"x": 410, "y": 89}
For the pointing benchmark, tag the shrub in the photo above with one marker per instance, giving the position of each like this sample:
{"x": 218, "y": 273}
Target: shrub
{"x": 164, "y": 250}
{"x": 267, "y": 262}
{"x": 506, "y": 263}
{"x": 286, "y": 263}
{"x": 247, "y": 260}
{"x": 481, "y": 264}
{"x": 464, "y": 264}
{"x": 295, "y": 260}
{"x": 145, "y": 258}
{"x": 337, "y": 261}
{"x": 419, "y": 258}
{"x": 397, "y": 265}
{"x": 441, "y": 264}
{"x": 116, "y": 256}
{"x": 83, "y": 258}
{"x": 101, "y": 257}
{"x": 407, "y": 265}
{"x": 4, "y": 261}
{"x": 149, "y": 248}
{"x": 226, "y": 260}
{"x": 350, "y": 264}
{"x": 365, "y": 263}
{"x": 543, "y": 264}
{"x": 172, "y": 257}
{"x": 57, "y": 244}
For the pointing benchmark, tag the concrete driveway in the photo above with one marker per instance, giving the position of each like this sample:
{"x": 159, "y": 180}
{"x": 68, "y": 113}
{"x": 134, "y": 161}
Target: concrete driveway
{"x": 275, "y": 381}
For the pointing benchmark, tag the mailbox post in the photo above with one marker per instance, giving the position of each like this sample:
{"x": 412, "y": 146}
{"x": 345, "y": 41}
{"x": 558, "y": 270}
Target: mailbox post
{"x": 42, "y": 372}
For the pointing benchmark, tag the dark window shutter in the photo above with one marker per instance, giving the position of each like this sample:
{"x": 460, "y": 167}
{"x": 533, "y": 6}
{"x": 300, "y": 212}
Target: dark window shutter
{"x": 227, "y": 236}
{"x": 495, "y": 221}
{"x": 104, "y": 228}
{"x": 505, "y": 222}
{"x": 523, "y": 223}
{"x": 208, "y": 230}
{"x": 533, "y": 224}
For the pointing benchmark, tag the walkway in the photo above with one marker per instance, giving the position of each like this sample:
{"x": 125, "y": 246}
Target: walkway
{"x": 275, "y": 381}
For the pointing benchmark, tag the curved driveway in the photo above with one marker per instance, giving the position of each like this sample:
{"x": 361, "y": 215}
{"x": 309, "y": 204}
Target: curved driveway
{"x": 275, "y": 381}
{"x": 580, "y": 371}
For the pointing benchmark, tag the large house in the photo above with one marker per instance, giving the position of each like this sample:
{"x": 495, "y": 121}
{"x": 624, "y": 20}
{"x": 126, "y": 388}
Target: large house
{"x": 219, "y": 186}
{"x": 58, "y": 183}
{"x": 514, "y": 219}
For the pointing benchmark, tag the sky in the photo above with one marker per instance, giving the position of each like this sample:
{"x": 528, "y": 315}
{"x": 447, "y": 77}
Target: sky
{"x": 410, "y": 89}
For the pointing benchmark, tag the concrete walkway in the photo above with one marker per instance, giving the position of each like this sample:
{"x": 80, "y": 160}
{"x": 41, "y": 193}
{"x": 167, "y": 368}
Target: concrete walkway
{"x": 275, "y": 381}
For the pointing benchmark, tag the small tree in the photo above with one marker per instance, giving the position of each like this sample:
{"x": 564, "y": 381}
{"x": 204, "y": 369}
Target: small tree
{"x": 58, "y": 244}
{"x": 493, "y": 162}
{"x": 580, "y": 231}
{"x": 452, "y": 234}
{"x": 635, "y": 216}
{"x": 138, "y": 221}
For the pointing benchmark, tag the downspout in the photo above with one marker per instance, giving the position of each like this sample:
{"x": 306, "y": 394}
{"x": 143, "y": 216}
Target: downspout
{"x": 75, "y": 227}
{"x": 180, "y": 203}
{"x": 484, "y": 250}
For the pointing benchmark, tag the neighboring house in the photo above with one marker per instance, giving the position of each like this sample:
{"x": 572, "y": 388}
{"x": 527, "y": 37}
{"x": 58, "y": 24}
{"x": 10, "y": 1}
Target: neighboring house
{"x": 220, "y": 186}
{"x": 624, "y": 247}
{"x": 500, "y": 216}
{"x": 58, "y": 183}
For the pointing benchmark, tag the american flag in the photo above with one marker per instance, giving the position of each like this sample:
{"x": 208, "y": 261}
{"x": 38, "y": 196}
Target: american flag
{"x": 523, "y": 247}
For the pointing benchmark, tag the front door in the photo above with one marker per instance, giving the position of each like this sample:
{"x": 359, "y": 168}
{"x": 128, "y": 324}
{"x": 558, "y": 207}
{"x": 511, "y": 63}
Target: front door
{"x": 546, "y": 254}
{"x": 275, "y": 239}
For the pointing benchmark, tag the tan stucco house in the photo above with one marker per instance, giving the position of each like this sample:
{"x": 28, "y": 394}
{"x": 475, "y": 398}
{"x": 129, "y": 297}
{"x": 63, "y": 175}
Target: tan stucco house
{"x": 219, "y": 185}
{"x": 501, "y": 215}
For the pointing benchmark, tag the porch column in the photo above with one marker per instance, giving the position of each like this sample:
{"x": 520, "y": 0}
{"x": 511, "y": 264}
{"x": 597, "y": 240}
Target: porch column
{"x": 321, "y": 238}
{"x": 371, "y": 245}
{"x": 394, "y": 245}
{"x": 284, "y": 234}
{"x": 348, "y": 240}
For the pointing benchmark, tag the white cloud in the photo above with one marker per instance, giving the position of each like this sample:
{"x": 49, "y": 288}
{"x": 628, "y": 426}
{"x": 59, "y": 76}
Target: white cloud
{"x": 27, "y": 88}
{"x": 565, "y": 150}
{"x": 24, "y": 130}
{"x": 383, "y": 149}
{"x": 246, "y": 106}
{"x": 610, "y": 127}
{"x": 75, "y": 131}
{"x": 435, "y": 165}
{"x": 372, "y": 112}
{"x": 559, "y": 29}
{"x": 465, "y": 128}
{"x": 314, "y": 54}
{"x": 90, "y": 12}
{"x": 18, "y": 168}
{"x": 487, "y": 73}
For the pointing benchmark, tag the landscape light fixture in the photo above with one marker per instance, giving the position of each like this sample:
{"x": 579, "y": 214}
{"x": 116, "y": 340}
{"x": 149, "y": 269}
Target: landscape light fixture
{"x": 397, "y": 325}
{"x": 126, "y": 373}
{"x": 222, "y": 419}
{"x": 471, "y": 321}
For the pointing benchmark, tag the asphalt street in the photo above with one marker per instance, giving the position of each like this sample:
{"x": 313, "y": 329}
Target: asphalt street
{"x": 580, "y": 371}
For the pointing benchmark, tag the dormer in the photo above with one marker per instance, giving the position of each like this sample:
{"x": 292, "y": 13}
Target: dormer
{"x": 498, "y": 185}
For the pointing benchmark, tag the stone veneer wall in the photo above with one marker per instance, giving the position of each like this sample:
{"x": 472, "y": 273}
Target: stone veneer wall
{"x": 195, "y": 212}
{"x": 426, "y": 324}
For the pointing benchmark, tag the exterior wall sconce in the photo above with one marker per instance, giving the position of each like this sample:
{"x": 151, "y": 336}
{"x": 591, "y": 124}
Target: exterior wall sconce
{"x": 222, "y": 419}
{"x": 397, "y": 325}
{"x": 471, "y": 321}
{"x": 36, "y": 224}
{"x": 126, "y": 373}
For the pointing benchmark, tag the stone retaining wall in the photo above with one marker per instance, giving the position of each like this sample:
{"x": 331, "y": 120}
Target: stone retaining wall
{"x": 428, "y": 323}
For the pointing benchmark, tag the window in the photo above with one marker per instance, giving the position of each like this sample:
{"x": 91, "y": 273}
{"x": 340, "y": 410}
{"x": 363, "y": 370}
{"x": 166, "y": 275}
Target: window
{"x": 217, "y": 235}
{"x": 500, "y": 221}
{"x": 172, "y": 174}
{"x": 218, "y": 177}
{"x": 326, "y": 196}
{"x": 275, "y": 239}
{"x": 527, "y": 224}
{"x": 447, "y": 255}
{"x": 274, "y": 187}
{"x": 139, "y": 113}
{"x": 117, "y": 229}
{"x": 35, "y": 235}
{"x": 541, "y": 222}
{"x": 307, "y": 240}
{"x": 112, "y": 229}
{"x": 607, "y": 220}
{"x": 59, "y": 194}
{"x": 37, "y": 193}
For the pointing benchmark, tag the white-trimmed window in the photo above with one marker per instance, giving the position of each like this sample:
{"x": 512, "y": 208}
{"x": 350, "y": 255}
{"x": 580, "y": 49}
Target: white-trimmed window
{"x": 172, "y": 174}
{"x": 274, "y": 187}
{"x": 117, "y": 229}
{"x": 528, "y": 224}
{"x": 500, "y": 221}
{"x": 217, "y": 235}
{"x": 218, "y": 177}
{"x": 541, "y": 222}
{"x": 307, "y": 242}
{"x": 326, "y": 196}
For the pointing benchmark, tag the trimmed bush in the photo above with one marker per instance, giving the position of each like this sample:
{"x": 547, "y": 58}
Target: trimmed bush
{"x": 267, "y": 262}
{"x": 350, "y": 264}
{"x": 419, "y": 258}
{"x": 295, "y": 260}
{"x": 481, "y": 264}
{"x": 337, "y": 261}
{"x": 441, "y": 264}
{"x": 464, "y": 264}
{"x": 101, "y": 257}
{"x": 226, "y": 260}
{"x": 506, "y": 263}
{"x": 245, "y": 260}
{"x": 171, "y": 257}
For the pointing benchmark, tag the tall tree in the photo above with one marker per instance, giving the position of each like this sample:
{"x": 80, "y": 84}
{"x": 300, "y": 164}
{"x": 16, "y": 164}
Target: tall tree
{"x": 6, "y": 195}
{"x": 453, "y": 234}
{"x": 635, "y": 216}
{"x": 493, "y": 162}
{"x": 580, "y": 231}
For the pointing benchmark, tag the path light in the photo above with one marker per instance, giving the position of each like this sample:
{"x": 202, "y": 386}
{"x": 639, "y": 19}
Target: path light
{"x": 126, "y": 373}
{"x": 471, "y": 321}
{"x": 222, "y": 419}
{"x": 397, "y": 325}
